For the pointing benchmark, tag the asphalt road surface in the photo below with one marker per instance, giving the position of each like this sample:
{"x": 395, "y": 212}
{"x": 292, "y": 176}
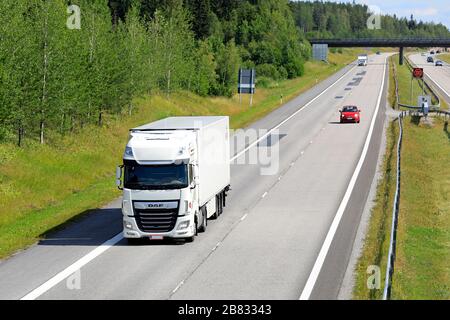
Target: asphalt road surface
{"x": 282, "y": 236}
{"x": 437, "y": 77}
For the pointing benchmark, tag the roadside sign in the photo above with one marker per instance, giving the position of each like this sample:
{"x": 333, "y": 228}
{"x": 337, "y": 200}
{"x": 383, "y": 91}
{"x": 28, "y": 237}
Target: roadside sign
{"x": 418, "y": 73}
{"x": 320, "y": 52}
{"x": 246, "y": 81}
{"x": 424, "y": 103}
{"x": 247, "y": 78}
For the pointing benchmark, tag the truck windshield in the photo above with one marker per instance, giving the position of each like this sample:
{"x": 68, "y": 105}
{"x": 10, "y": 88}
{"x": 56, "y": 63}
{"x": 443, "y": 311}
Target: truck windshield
{"x": 155, "y": 177}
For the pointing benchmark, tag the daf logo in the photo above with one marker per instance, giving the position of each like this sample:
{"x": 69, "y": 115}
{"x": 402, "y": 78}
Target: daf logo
{"x": 155, "y": 205}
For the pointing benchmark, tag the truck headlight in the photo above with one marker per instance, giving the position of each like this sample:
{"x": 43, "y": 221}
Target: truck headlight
{"x": 183, "y": 225}
{"x": 126, "y": 208}
{"x": 129, "y": 152}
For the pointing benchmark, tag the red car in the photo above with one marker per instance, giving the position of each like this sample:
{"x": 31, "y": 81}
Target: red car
{"x": 350, "y": 114}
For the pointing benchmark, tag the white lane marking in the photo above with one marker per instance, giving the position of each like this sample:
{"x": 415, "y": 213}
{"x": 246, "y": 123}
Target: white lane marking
{"x": 72, "y": 268}
{"x": 306, "y": 293}
{"x": 243, "y": 217}
{"x": 216, "y": 246}
{"x": 290, "y": 117}
{"x": 264, "y": 195}
{"x": 178, "y": 287}
{"x": 111, "y": 242}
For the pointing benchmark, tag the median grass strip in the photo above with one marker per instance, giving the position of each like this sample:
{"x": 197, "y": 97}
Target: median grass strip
{"x": 409, "y": 91}
{"x": 422, "y": 265}
{"x": 41, "y": 187}
{"x": 444, "y": 57}
{"x": 376, "y": 242}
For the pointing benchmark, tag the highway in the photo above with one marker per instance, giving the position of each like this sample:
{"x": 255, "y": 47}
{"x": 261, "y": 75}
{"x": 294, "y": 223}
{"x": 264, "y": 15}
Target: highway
{"x": 437, "y": 77}
{"x": 282, "y": 236}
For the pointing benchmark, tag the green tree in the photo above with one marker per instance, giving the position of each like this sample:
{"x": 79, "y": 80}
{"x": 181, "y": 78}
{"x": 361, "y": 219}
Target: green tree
{"x": 228, "y": 61}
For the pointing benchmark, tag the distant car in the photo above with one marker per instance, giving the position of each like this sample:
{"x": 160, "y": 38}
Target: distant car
{"x": 438, "y": 63}
{"x": 430, "y": 59}
{"x": 378, "y": 52}
{"x": 350, "y": 114}
{"x": 431, "y": 52}
{"x": 438, "y": 51}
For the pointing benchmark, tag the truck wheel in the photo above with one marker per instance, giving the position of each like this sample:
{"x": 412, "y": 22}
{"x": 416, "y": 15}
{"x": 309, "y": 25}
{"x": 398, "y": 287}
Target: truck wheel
{"x": 204, "y": 223}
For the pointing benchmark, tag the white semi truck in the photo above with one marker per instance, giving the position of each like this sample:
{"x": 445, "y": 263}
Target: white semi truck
{"x": 175, "y": 175}
{"x": 362, "y": 60}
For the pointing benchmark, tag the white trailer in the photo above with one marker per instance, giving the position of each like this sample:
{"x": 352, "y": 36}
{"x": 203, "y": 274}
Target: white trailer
{"x": 175, "y": 175}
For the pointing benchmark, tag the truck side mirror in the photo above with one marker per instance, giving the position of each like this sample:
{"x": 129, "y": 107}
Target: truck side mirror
{"x": 195, "y": 174}
{"x": 119, "y": 177}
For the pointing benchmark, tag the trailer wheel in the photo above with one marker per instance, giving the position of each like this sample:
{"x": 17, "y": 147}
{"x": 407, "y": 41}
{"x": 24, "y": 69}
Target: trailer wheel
{"x": 224, "y": 196}
{"x": 217, "y": 213}
{"x": 204, "y": 223}
{"x": 221, "y": 197}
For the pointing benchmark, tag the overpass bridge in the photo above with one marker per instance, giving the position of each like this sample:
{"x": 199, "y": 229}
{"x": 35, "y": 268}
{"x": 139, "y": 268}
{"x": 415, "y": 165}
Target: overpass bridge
{"x": 377, "y": 42}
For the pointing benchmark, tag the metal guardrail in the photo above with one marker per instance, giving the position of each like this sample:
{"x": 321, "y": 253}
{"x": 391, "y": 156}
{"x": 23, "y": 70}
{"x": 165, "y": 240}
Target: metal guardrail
{"x": 394, "y": 70}
{"x": 395, "y": 209}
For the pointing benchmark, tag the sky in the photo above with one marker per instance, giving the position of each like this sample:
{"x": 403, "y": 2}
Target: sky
{"x": 437, "y": 11}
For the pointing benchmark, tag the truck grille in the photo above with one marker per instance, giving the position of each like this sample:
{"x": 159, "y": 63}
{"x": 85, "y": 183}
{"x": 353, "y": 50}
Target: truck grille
{"x": 156, "y": 220}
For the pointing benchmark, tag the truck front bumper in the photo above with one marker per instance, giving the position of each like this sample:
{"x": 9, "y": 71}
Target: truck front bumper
{"x": 184, "y": 228}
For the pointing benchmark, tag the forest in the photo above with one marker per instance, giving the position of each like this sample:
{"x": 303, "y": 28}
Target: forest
{"x": 320, "y": 19}
{"x": 55, "y": 76}
{"x": 66, "y": 64}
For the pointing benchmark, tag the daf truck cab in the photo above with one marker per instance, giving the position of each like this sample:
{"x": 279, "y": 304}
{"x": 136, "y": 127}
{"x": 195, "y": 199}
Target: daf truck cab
{"x": 175, "y": 175}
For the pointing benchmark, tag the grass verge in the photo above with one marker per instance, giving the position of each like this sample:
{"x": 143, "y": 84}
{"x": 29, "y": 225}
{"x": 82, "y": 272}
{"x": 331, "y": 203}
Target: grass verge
{"x": 409, "y": 91}
{"x": 422, "y": 266}
{"x": 41, "y": 187}
{"x": 376, "y": 242}
{"x": 445, "y": 57}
